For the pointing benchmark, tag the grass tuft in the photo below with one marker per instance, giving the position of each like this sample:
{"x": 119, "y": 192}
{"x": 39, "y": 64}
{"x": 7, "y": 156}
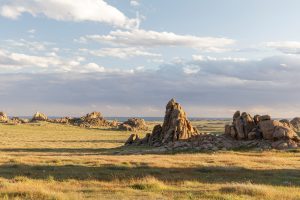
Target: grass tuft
{"x": 149, "y": 184}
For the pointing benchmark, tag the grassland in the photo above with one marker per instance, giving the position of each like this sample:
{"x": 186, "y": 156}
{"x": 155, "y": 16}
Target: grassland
{"x": 49, "y": 161}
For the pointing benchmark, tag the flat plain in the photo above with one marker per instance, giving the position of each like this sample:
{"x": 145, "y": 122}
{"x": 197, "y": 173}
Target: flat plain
{"x": 53, "y": 161}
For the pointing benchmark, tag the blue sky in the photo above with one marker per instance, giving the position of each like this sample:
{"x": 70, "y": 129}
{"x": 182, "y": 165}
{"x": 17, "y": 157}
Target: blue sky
{"x": 128, "y": 58}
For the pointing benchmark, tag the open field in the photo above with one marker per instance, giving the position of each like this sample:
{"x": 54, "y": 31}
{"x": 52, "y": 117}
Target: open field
{"x": 49, "y": 161}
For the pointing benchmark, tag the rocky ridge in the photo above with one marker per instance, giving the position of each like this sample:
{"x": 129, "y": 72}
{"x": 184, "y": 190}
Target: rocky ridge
{"x": 245, "y": 131}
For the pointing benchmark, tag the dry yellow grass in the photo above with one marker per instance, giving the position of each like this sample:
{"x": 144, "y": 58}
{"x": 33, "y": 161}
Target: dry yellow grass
{"x": 48, "y": 161}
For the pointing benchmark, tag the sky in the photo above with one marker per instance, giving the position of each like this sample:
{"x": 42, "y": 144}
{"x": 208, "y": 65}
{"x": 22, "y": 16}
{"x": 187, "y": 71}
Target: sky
{"x": 130, "y": 57}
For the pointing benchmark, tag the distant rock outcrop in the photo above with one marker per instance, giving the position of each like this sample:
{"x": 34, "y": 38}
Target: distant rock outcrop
{"x": 39, "y": 117}
{"x": 91, "y": 120}
{"x": 17, "y": 120}
{"x": 176, "y": 127}
{"x": 134, "y": 124}
{"x": 3, "y": 117}
{"x": 63, "y": 120}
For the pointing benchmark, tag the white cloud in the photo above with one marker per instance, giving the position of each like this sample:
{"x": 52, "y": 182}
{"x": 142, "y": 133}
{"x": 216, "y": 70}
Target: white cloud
{"x": 122, "y": 53}
{"x": 26, "y": 45}
{"x": 20, "y": 62}
{"x": 32, "y": 31}
{"x": 68, "y": 10}
{"x": 143, "y": 38}
{"x": 92, "y": 67}
{"x": 288, "y": 47}
{"x": 134, "y": 3}
{"x": 209, "y": 58}
{"x": 51, "y": 62}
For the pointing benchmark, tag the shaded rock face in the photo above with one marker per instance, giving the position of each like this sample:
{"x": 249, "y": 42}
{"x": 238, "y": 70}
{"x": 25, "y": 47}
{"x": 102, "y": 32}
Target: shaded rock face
{"x": 3, "y": 117}
{"x": 175, "y": 127}
{"x": 39, "y": 117}
{"x": 262, "y": 127}
{"x": 243, "y": 124}
{"x": 134, "y": 124}
{"x": 296, "y": 123}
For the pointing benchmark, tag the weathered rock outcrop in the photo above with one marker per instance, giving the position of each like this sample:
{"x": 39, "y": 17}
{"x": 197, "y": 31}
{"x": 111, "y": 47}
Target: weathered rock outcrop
{"x": 263, "y": 127}
{"x": 134, "y": 124}
{"x": 243, "y": 124}
{"x": 176, "y": 127}
{"x": 245, "y": 131}
{"x": 39, "y": 117}
{"x": 3, "y": 117}
{"x": 90, "y": 120}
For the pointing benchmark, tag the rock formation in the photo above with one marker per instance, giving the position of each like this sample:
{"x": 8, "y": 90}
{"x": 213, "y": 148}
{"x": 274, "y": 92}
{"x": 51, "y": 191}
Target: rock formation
{"x": 244, "y": 127}
{"x": 90, "y": 120}
{"x": 176, "y": 127}
{"x": 39, "y": 117}
{"x": 134, "y": 124}
{"x": 3, "y": 117}
{"x": 245, "y": 131}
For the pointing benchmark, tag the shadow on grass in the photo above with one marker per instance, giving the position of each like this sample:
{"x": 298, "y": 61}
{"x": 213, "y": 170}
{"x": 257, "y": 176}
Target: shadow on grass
{"x": 127, "y": 171}
{"x": 123, "y": 150}
{"x": 78, "y": 141}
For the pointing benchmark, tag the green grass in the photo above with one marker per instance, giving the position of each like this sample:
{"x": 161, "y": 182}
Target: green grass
{"x": 51, "y": 161}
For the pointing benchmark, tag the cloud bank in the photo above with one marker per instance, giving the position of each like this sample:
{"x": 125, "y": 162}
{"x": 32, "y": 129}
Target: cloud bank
{"x": 68, "y": 10}
{"x": 206, "y": 88}
{"x": 144, "y": 38}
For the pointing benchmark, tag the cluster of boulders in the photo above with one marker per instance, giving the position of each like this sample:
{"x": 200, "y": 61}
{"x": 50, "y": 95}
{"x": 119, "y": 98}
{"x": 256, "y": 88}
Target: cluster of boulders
{"x": 134, "y": 124}
{"x": 245, "y": 127}
{"x": 259, "y": 132}
{"x": 13, "y": 121}
{"x": 62, "y": 120}
{"x": 175, "y": 127}
{"x": 90, "y": 120}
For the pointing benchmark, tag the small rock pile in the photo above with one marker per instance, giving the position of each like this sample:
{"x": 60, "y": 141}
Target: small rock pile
{"x": 91, "y": 120}
{"x": 63, "y": 120}
{"x": 134, "y": 124}
{"x": 280, "y": 133}
{"x": 176, "y": 127}
{"x": 17, "y": 121}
